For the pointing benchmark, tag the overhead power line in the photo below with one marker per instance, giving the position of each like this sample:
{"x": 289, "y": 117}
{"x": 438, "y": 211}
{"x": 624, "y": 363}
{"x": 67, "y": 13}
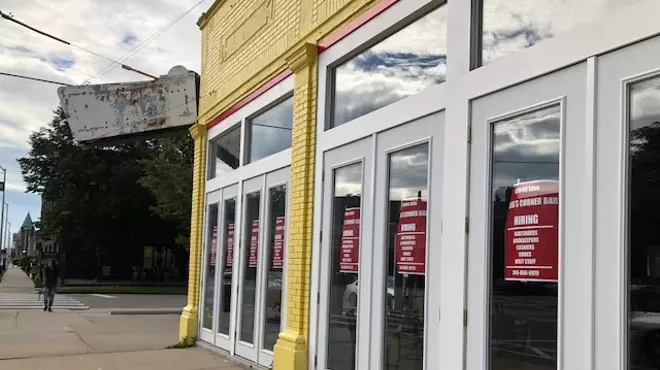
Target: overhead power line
{"x": 114, "y": 62}
{"x": 34, "y": 79}
{"x": 110, "y": 67}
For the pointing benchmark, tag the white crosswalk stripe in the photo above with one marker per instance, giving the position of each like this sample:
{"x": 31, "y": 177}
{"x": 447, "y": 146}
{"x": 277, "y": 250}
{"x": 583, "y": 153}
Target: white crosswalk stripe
{"x": 24, "y": 301}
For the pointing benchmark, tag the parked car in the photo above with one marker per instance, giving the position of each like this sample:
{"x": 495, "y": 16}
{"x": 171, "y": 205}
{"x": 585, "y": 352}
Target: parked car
{"x": 350, "y": 299}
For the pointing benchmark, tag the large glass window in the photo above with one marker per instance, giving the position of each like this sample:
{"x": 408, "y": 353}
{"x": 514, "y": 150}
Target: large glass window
{"x": 406, "y": 261}
{"x": 403, "y": 64}
{"x": 225, "y": 152}
{"x": 227, "y": 261}
{"x": 344, "y": 267}
{"x": 211, "y": 260}
{"x": 525, "y": 241}
{"x": 270, "y": 132}
{"x": 644, "y": 234}
{"x": 250, "y": 251}
{"x": 276, "y": 256}
{"x": 512, "y": 25}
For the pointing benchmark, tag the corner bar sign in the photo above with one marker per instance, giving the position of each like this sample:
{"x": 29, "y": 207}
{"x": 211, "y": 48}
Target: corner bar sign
{"x": 350, "y": 241}
{"x": 532, "y": 239}
{"x": 254, "y": 245}
{"x": 278, "y": 243}
{"x": 411, "y": 238}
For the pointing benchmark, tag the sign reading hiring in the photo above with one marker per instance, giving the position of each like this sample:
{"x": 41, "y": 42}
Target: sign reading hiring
{"x": 532, "y": 241}
{"x": 230, "y": 245}
{"x": 411, "y": 238}
{"x": 278, "y": 243}
{"x": 350, "y": 241}
{"x": 254, "y": 245}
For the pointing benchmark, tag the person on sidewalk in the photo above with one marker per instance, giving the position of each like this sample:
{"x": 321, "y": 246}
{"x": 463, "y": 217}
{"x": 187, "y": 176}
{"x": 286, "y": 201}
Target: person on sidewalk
{"x": 49, "y": 278}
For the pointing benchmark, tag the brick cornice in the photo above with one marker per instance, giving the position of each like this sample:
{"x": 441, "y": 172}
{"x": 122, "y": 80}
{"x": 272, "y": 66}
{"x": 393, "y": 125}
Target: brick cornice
{"x": 303, "y": 56}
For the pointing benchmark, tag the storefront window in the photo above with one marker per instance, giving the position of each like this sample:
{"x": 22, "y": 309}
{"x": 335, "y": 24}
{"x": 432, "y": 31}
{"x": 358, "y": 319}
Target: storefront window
{"x": 270, "y": 132}
{"x": 227, "y": 261}
{"x": 209, "y": 278}
{"x": 276, "y": 256}
{"x": 512, "y": 25}
{"x": 225, "y": 152}
{"x": 250, "y": 252}
{"x": 525, "y": 241}
{"x": 344, "y": 268}
{"x": 406, "y": 261}
{"x": 402, "y": 65}
{"x": 644, "y": 235}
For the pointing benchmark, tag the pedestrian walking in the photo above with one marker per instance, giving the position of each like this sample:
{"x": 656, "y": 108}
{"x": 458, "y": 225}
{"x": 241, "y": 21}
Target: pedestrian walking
{"x": 49, "y": 279}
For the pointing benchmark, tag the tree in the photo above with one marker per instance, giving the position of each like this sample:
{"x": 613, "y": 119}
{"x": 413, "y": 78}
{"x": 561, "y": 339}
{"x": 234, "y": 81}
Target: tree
{"x": 168, "y": 175}
{"x": 99, "y": 206}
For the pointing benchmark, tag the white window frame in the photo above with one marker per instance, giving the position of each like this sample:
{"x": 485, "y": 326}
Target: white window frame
{"x": 259, "y": 167}
{"x": 583, "y": 43}
{"x": 425, "y": 103}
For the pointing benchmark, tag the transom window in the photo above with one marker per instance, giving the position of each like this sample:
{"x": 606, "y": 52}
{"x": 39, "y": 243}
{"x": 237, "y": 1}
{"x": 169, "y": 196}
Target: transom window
{"x": 402, "y": 65}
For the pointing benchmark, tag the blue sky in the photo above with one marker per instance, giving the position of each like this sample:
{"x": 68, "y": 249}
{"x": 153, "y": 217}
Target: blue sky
{"x": 110, "y": 28}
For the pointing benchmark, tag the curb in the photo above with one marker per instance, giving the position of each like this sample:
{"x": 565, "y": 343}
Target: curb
{"x": 145, "y": 311}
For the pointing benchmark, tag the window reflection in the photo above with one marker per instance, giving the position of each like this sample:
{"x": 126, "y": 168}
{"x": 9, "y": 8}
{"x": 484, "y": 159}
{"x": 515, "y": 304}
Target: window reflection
{"x": 211, "y": 260}
{"x": 227, "y": 262}
{"x": 344, "y": 267}
{"x": 404, "y": 64}
{"x": 270, "y": 132}
{"x": 250, "y": 253}
{"x": 275, "y": 257}
{"x": 406, "y": 261}
{"x": 644, "y": 242}
{"x": 225, "y": 152}
{"x": 513, "y": 25}
{"x": 525, "y": 211}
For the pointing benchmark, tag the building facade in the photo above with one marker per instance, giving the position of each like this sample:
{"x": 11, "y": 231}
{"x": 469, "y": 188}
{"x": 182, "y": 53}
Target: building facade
{"x": 423, "y": 184}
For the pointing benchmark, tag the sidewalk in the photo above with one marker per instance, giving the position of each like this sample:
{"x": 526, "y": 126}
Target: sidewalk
{"x": 65, "y": 340}
{"x": 16, "y": 281}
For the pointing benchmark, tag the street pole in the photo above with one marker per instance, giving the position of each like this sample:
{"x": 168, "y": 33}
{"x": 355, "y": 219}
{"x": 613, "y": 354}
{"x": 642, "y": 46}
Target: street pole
{"x": 4, "y": 190}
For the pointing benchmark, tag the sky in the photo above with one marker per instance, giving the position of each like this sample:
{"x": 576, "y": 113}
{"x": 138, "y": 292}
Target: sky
{"x": 111, "y": 28}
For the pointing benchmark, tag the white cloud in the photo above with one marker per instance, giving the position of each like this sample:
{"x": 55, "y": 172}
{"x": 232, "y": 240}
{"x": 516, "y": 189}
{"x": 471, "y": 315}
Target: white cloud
{"x": 110, "y": 28}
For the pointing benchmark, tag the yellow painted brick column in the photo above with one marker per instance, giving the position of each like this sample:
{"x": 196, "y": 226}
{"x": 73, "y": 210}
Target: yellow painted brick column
{"x": 189, "y": 318}
{"x": 291, "y": 349}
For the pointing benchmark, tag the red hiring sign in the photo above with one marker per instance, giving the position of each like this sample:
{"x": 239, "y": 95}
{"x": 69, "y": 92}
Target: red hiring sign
{"x": 214, "y": 245}
{"x": 230, "y": 245}
{"x": 254, "y": 245}
{"x": 531, "y": 241}
{"x": 278, "y": 243}
{"x": 411, "y": 238}
{"x": 350, "y": 241}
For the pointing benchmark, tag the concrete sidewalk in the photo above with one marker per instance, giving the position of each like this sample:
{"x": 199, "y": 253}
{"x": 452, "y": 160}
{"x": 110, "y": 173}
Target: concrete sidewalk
{"x": 87, "y": 341}
{"x": 16, "y": 281}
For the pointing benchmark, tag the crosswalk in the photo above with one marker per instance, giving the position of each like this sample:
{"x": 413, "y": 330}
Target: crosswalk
{"x": 27, "y": 301}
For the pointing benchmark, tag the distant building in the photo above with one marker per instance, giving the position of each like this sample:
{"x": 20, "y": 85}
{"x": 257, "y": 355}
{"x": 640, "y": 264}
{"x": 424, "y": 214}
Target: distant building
{"x": 28, "y": 239}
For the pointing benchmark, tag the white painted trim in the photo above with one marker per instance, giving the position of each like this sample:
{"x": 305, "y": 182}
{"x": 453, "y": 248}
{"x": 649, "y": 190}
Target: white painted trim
{"x": 589, "y": 200}
{"x": 257, "y": 168}
{"x": 276, "y": 92}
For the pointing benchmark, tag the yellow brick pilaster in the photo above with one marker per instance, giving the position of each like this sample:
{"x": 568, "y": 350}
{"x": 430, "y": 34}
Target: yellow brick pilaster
{"x": 189, "y": 318}
{"x": 291, "y": 349}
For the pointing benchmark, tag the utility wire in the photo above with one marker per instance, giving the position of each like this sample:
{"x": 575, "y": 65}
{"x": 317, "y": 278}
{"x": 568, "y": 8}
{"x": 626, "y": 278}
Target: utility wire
{"x": 34, "y": 79}
{"x": 110, "y": 67}
{"x": 114, "y": 62}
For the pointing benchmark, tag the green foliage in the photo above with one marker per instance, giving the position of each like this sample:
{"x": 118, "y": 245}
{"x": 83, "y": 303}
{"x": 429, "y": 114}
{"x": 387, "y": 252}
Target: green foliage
{"x": 185, "y": 343}
{"x": 106, "y": 200}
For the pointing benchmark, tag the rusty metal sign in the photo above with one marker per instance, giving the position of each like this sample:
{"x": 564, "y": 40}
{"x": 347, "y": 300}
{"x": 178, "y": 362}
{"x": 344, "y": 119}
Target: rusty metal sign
{"x": 109, "y": 112}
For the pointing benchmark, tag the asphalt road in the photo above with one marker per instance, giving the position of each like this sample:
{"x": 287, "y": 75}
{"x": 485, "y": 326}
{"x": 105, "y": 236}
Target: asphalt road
{"x": 131, "y": 300}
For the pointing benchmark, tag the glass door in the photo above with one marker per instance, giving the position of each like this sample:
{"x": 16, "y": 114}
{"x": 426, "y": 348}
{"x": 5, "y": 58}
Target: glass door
{"x": 272, "y": 262}
{"x": 225, "y": 263}
{"x": 406, "y": 252}
{"x": 346, "y": 241}
{"x": 209, "y": 267}
{"x": 529, "y": 271}
{"x": 627, "y": 205}
{"x": 262, "y": 256}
